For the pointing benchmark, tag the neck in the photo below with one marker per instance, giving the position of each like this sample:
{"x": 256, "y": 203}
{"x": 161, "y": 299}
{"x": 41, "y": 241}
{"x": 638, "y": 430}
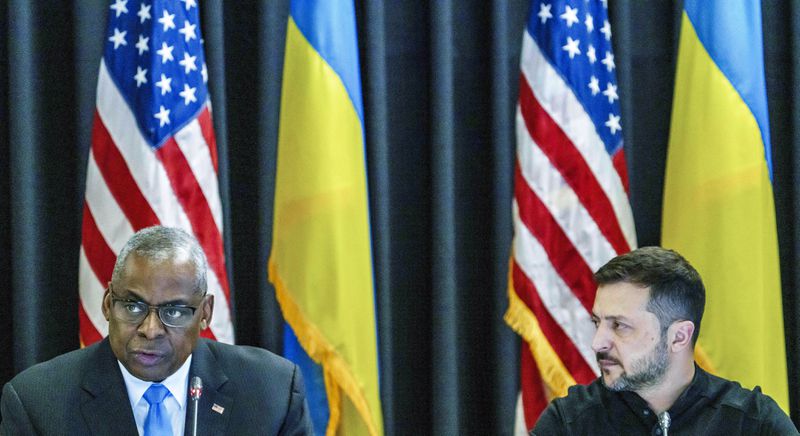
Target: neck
{"x": 663, "y": 395}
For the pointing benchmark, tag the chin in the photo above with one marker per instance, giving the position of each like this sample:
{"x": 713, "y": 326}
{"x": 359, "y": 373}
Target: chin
{"x": 609, "y": 379}
{"x": 149, "y": 374}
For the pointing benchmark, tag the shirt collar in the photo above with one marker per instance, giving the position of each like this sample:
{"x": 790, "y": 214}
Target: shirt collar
{"x": 692, "y": 393}
{"x": 177, "y": 383}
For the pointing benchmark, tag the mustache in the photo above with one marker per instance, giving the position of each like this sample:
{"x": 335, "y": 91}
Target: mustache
{"x": 602, "y": 355}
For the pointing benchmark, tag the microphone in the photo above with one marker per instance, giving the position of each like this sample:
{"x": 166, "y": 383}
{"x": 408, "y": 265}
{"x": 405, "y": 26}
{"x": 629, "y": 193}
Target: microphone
{"x": 664, "y": 421}
{"x": 195, "y": 391}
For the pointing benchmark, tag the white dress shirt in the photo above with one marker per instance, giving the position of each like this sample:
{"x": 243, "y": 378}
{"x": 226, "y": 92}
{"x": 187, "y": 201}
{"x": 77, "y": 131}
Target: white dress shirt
{"x": 178, "y": 385}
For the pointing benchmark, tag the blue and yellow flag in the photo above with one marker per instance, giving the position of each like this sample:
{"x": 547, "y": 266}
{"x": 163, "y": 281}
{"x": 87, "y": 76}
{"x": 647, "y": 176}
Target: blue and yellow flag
{"x": 719, "y": 210}
{"x": 321, "y": 261}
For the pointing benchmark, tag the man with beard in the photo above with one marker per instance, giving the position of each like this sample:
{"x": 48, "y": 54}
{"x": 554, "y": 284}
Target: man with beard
{"x": 647, "y": 312}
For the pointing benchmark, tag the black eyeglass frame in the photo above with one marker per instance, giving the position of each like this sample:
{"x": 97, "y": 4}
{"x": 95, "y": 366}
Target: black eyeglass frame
{"x": 150, "y": 308}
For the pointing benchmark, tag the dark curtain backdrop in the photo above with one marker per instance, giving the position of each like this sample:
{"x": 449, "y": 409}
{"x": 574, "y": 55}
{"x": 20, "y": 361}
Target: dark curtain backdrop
{"x": 440, "y": 81}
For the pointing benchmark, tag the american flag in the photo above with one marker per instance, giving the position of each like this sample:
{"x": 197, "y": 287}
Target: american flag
{"x": 153, "y": 157}
{"x": 571, "y": 209}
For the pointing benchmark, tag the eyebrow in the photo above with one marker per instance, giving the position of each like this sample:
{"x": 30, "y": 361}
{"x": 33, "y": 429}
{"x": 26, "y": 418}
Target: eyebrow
{"x": 611, "y": 317}
{"x": 134, "y": 296}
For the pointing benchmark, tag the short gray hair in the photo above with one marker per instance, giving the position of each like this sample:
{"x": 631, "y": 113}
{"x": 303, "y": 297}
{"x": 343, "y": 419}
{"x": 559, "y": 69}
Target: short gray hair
{"x": 158, "y": 244}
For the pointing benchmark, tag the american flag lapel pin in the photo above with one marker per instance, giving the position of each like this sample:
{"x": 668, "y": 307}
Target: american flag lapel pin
{"x": 217, "y": 408}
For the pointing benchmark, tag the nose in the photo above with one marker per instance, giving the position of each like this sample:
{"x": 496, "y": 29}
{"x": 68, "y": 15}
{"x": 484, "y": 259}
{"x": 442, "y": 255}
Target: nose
{"x": 151, "y": 327}
{"x": 602, "y": 339}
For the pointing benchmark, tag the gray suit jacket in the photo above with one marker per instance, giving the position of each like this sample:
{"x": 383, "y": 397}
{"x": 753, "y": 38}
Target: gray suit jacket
{"x": 246, "y": 390}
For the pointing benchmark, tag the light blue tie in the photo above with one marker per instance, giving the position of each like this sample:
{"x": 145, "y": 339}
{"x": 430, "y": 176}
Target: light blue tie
{"x": 157, "y": 421}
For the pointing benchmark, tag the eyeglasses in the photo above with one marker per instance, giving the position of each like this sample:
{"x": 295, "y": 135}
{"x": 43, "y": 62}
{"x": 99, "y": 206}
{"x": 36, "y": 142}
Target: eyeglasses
{"x": 135, "y": 312}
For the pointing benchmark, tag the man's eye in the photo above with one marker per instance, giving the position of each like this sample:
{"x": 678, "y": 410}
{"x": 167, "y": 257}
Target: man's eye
{"x": 174, "y": 312}
{"x": 620, "y": 326}
{"x": 133, "y": 308}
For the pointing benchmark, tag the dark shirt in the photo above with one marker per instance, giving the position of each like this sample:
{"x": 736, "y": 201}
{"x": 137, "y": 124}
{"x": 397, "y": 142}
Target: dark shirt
{"x": 709, "y": 406}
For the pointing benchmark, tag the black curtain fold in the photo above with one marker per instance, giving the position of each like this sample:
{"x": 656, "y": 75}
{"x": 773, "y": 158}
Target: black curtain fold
{"x": 43, "y": 203}
{"x": 7, "y": 318}
{"x": 440, "y": 82}
{"x": 781, "y": 52}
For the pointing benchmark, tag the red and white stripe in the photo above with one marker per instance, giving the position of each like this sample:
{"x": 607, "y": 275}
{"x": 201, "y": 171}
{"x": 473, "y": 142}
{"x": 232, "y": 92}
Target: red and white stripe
{"x": 571, "y": 215}
{"x": 129, "y": 186}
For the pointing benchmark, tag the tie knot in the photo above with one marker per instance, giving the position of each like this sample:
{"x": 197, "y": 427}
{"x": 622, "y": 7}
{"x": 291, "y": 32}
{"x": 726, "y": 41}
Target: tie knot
{"x": 155, "y": 394}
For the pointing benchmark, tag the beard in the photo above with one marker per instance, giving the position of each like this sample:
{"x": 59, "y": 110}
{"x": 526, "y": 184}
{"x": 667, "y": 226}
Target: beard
{"x": 645, "y": 372}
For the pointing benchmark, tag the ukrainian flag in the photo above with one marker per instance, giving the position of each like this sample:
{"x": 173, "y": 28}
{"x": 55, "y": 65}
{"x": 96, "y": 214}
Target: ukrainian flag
{"x": 719, "y": 210}
{"x": 321, "y": 261}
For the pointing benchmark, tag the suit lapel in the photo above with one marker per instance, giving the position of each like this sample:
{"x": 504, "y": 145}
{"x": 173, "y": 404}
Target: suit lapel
{"x": 105, "y": 406}
{"x": 215, "y": 406}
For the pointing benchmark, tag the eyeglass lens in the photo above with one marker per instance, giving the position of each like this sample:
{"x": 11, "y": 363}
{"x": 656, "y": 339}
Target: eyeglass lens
{"x": 136, "y": 312}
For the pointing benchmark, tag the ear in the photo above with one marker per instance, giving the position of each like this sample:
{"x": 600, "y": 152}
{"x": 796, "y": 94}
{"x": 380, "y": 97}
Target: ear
{"x": 680, "y": 335}
{"x": 208, "y": 311}
{"x": 106, "y": 303}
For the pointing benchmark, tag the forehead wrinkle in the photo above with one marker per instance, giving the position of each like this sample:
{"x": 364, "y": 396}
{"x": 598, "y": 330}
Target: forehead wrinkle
{"x": 622, "y": 297}
{"x": 175, "y": 272}
{"x": 139, "y": 298}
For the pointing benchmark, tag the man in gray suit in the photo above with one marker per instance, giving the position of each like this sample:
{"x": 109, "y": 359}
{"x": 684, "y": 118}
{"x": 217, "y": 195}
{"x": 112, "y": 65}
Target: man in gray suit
{"x": 136, "y": 380}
